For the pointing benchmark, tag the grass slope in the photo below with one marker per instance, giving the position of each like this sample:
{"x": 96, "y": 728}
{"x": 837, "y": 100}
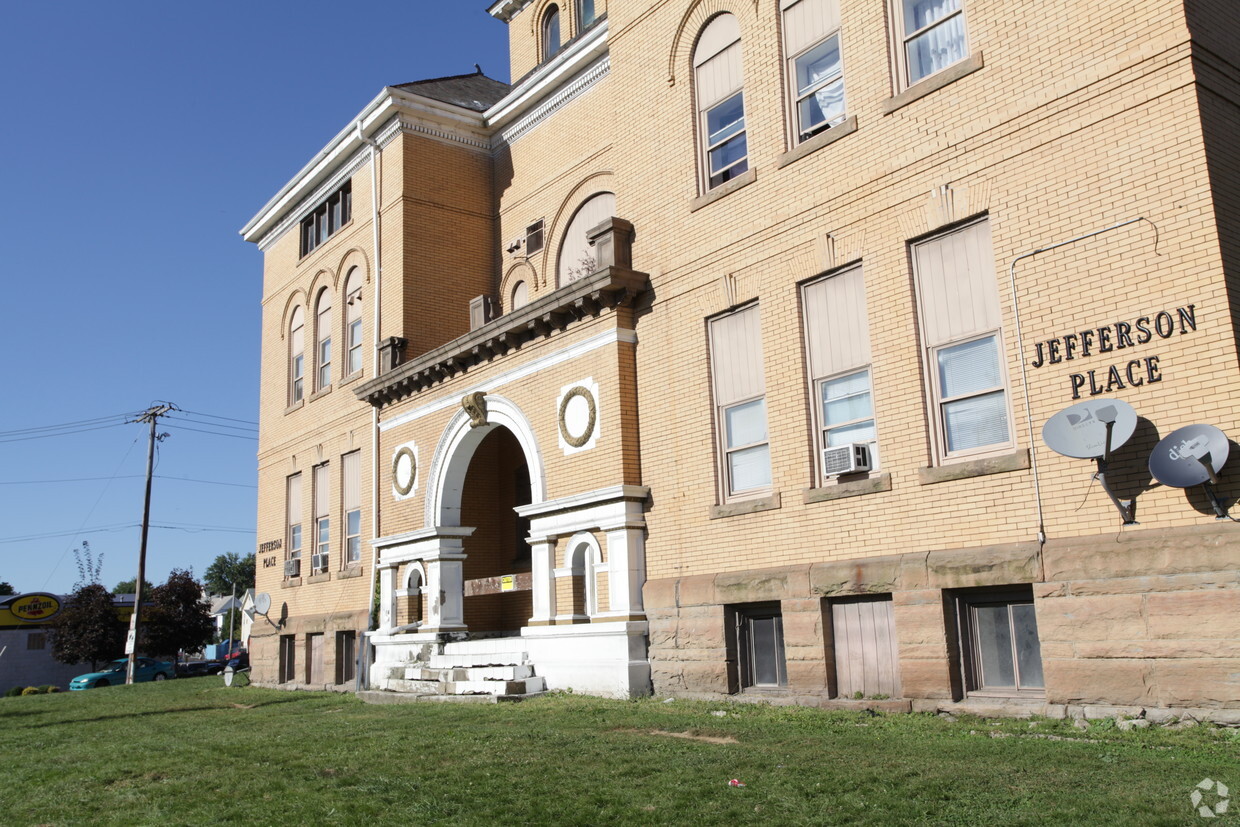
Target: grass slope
{"x": 194, "y": 752}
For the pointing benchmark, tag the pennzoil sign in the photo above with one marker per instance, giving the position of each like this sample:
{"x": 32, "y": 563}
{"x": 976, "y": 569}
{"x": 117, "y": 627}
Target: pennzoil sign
{"x": 35, "y": 608}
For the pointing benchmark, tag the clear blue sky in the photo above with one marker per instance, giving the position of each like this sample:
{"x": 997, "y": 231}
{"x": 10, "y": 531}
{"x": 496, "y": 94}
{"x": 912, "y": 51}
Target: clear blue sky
{"x": 138, "y": 137}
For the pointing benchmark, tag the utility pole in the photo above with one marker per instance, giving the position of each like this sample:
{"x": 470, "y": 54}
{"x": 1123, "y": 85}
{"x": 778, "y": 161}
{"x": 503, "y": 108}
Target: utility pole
{"x": 151, "y": 415}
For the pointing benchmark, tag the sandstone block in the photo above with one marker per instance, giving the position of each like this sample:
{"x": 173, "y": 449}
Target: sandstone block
{"x": 999, "y": 565}
{"x": 1197, "y": 682}
{"x": 1188, "y": 615}
{"x": 1102, "y": 617}
{"x": 697, "y": 591}
{"x": 762, "y": 585}
{"x": 658, "y": 594}
{"x": 876, "y": 575}
{"x": 925, "y": 678}
{"x": 1097, "y": 682}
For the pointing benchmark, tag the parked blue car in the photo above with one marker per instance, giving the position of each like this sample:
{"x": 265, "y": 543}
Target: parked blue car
{"x": 145, "y": 669}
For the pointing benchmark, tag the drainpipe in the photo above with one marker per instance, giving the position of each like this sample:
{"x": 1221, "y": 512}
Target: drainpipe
{"x": 364, "y": 680}
{"x": 1020, "y": 349}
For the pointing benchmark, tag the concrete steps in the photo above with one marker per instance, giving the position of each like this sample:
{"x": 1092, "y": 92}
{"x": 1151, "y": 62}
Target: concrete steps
{"x": 491, "y": 669}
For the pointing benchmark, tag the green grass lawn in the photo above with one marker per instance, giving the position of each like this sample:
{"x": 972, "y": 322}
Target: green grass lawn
{"x": 194, "y": 752}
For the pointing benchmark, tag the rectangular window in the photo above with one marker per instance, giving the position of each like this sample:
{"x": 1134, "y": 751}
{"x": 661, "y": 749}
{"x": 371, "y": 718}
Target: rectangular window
{"x": 815, "y": 70}
{"x": 288, "y": 658}
{"x": 963, "y": 342}
{"x": 36, "y": 641}
{"x": 322, "y": 519}
{"x": 351, "y": 488}
{"x": 585, "y": 13}
{"x": 534, "y": 238}
{"x": 864, "y": 649}
{"x": 346, "y": 657}
{"x": 931, "y": 36}
{"x": 740, "y": 403}
{"x": 328, "y": 217}
{"x": 999, "y": 646}
{"x": 293, "y": 507}
{"x": 758, "y": 633}
{"x": 719, "y": 78}
{"x": 837, "y": 337}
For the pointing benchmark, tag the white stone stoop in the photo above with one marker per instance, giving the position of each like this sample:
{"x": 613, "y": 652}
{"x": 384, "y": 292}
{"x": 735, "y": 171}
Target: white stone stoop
{"x": 489, "y": 668}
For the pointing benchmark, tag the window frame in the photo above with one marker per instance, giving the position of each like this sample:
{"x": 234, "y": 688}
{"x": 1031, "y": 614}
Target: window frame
{"x": 354, "y": 330}
{"x": 973, "y": 680}
{"x": 351, "y": 540}
{"x": 901, "y": 38}
{"x": 580, "y": 8}
{"x": 323, "y": 343}
{"x": 703, "y": 109}
{"x": 292, "y": 509}
{"x": 297, "y": 357}
{"x": 322, "y": 519}
{"x": 937, "y": 423}
{"x": 797, "y": 133}
{"x": 327, "y": 218}
{"x": 727, "y": 492}
{"x": 749, "y": 664}
{"x": 551, "y": 18}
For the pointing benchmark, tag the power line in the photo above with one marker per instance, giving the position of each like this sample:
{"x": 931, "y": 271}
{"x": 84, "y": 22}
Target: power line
{"x": 225, "y": 418}
{"x": 125, "y": 477}
{"x": 212, "y": 424}
{"x": 60, "y": 433}
{"x": 80, "y": 422}
{"x": 212, "y": 433}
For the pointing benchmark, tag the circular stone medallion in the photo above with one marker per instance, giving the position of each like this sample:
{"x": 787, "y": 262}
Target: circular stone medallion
{"x": 404, "y": 470}
{"x": 578, "y": 415}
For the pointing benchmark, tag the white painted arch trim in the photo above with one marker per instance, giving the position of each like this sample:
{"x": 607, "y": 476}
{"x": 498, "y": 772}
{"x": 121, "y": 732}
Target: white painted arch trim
{"x": 446, "y": 479}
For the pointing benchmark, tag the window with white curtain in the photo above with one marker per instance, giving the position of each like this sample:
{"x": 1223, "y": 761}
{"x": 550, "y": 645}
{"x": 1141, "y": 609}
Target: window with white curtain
{"x": 323, "y": 335}
{"x": 963, "y": 341}
{"x": 719, "y": 79}
{"x": 837, "y": 338}
{"x": 931, "y": 36}
{"x": 740, "y": 403}
{"x": 296, "y": 356}
{"x": 815, "y": 70}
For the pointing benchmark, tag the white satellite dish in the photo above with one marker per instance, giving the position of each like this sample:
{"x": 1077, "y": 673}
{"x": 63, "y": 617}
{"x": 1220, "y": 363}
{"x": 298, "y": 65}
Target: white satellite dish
{"x": 262, "y": 603}
{"x": 1188, "y": 456}
{"x": 1080, "y": 430}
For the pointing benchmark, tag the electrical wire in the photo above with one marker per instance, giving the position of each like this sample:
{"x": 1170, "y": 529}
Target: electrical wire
{"x": 60, "y": 433}
{"x": 80, "y": 422}
{"x": 211, "y": 424}
{"x": 225, "y": 418}
{"x": 212, "y": 433}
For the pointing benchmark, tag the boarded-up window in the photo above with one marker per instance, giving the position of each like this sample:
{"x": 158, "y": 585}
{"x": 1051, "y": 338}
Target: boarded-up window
{"x": 740, "y": 402}
{"x": 962, "y": 337}
{"x": 351, "y": 495}
{"x": 577, "y": 257}
{"x": 866, "y": 656}
{"x": 719, "y": 78}
{"x": 815, "y": 69}
{"x": 837, "y": 337}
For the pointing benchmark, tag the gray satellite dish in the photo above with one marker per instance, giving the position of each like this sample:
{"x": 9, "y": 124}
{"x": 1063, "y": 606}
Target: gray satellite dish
{"x": 262, "y": 603}
{"x": 1080, "y": 430}
{"x": 1188, "y": 456}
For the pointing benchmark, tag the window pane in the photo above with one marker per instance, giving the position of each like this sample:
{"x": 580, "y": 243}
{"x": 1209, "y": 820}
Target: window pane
{"x": 936, "y": 49}
{"x": 921, "y": 13}
{"x": 818, "y": 64}
{"x": 725, "y": 119}
{"x": 968, "y": 368}
{"x": 551, "y": 34}
{"x": 586, "y": 11}
{"x": 975, "y": 422}
{"x": 353, "y": 550}
{"x": 1028, "y": 649}
{"x": 994, "y": 647}
{"x": 750, "y": 468}
{"x": 847, "y": 399}
{"x": 860, "y": 432}
{"x": 354, "y": 519}
{"x": 764, "y": 638}
{"x": 746, "y": 423}
{"x": 294, "y": 539}
{"x": 825, "y": 106}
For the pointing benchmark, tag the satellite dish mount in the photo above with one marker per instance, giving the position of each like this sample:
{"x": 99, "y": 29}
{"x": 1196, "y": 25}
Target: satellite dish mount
{"x": 1192, "y": 455}
{"x": 1092, "y": 430}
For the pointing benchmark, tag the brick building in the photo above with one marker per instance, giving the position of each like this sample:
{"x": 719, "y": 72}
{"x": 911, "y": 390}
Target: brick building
{"x": 712, "y": 357}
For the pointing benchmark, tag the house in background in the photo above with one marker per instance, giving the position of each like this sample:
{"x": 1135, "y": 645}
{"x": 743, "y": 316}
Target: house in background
{"x": 712, "y": 357}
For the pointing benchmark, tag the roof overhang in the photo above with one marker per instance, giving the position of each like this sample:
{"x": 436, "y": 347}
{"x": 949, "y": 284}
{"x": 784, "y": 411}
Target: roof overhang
{"x": 507, "y": 9}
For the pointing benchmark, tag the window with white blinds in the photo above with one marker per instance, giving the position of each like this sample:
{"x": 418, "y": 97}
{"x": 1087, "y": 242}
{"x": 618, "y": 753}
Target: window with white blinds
{"x": 351, "y": 499}
{"x": 963, "y": 341}
{"x": 837, "y": 341}
{"x": 815, "y": 69}
{"x": 719, "y": 79}
{"x": 740, "y": 403}
{"x": 293, "y": 508}
{"x": 322, "y": 517}
{"x": 296, "y": 356}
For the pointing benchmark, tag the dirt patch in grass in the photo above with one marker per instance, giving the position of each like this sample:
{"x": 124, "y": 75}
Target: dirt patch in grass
{"x": 688, "y": 736}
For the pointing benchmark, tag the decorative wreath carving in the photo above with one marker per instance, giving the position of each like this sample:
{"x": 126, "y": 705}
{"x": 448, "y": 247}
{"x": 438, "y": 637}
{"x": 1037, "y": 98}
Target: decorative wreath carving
{"x": 404, "y": 490}
{"x": 584, "y": 393}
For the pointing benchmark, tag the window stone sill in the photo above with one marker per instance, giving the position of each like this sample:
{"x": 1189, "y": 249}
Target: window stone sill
{"x": 825, "y": 138}
{"x": 352, "y": 377}
{"x": 319, "y": 578}
{"x": 767, "y": 503}
{"x": 934, "y": 83}
{"x": 296, "y": 406}
{"x": 350, "y": 572}
{"x": 1017, "y": 460}
{"x": 852, "y": 488}
{"x": 743, "y": 180}
{"x": 291, "y": 583}
{"x": 321, "y": 392}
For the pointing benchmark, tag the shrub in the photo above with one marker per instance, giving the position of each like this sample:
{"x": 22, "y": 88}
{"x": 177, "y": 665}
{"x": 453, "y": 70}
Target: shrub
{"x": 47, "y": 688}
{"x": 15, "y": 692}
{"x": 31, "y": 690}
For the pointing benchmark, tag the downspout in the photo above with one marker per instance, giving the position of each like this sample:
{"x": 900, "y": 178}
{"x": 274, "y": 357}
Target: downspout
{"x": 1020, "y": 349}
{"x": 363, "y": 675}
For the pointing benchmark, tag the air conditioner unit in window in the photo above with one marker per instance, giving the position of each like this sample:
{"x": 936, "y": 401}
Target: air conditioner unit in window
{"x": 292, "y": 568}
{"x": 318, "y": 562}
{"x": 845, "y": 459}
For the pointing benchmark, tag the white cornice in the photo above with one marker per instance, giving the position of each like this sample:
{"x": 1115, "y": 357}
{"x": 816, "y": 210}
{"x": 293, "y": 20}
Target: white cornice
{"x": 577, "y": 87}
{"x": 507, "y": 9}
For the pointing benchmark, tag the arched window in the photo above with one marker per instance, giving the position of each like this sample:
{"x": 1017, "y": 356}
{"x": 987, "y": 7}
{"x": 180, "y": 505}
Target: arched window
{"x": 551, "y": 32}
{"x": 323, "y": 340}
{"x": 353, "y": 321}
{"x": 719, "y": 83}
{"x": 585, "y": 14}
{"x": 520, "y": 296}
{"x": 296, "y": 356}
{"x": 576, "y": 255}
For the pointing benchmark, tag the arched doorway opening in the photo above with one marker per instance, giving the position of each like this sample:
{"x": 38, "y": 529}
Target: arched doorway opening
{"x": 498, "y": 587}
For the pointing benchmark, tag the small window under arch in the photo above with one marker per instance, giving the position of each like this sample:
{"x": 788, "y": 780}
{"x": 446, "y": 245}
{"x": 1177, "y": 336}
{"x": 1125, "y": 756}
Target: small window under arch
{"x": 520, "y": 296}
{"x": 577, "y": 258}
{"x": 551, "y": 32}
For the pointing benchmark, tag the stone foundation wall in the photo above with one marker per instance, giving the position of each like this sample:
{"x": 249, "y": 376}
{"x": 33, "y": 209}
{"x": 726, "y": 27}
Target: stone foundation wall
{"x": 1141, "y": 619}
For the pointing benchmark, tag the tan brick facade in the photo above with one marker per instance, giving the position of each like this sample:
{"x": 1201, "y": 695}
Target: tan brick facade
{"x": 1094, "y": 144}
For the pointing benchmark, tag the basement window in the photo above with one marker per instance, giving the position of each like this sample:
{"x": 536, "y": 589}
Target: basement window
{"x": 758, "y": 634}
{"x": 999, "y": 647}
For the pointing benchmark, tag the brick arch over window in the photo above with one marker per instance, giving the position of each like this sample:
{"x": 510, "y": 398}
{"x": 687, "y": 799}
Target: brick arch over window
{"x": 296, "y": 299}
{"x": 354, "y": 257}
{"x": 518, "y": 272}
{"x": 602, "y": 181}
{"x": 680, "y": 59}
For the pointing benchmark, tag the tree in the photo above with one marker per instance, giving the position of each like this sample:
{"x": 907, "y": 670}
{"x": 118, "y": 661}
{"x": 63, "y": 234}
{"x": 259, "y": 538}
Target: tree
{"x": 230, "y": 570}
{"x": 128, "y": 587}
{"x": 5, "y": 588}
{"x": 87, "y": 628}
{"x": 177, "y": 617}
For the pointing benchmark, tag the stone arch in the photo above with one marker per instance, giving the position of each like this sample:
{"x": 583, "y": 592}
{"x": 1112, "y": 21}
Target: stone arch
{"x": 295, "y": 299}
{"x": 691, "y": 24}
{"x": 450, "y": 465}
{"x": 353, "y": 257}
{"x": 520, "y": 271}
{"x": 413, "y": 584}
{"x": 581, "y": 553}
